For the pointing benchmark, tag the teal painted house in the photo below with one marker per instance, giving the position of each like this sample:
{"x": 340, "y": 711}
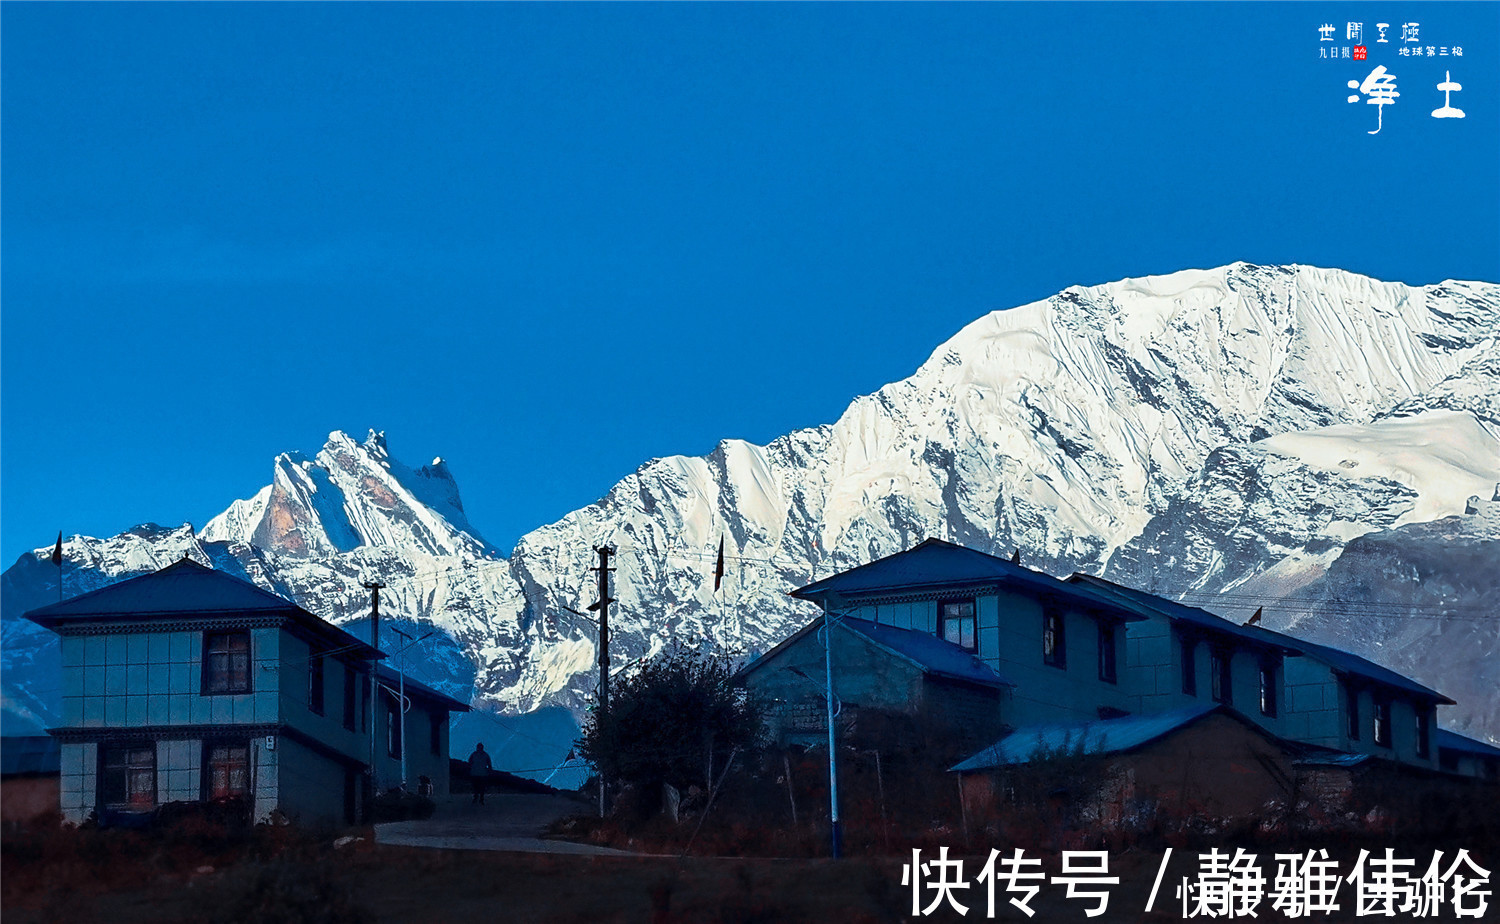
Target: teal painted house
{"x": 1075, "y": 652}
{"x": 191, "y": 685}
{"x": 1056, "y": 650}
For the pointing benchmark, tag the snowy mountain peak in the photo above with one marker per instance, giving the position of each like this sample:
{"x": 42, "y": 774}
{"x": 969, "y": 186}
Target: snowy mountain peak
{"x": 350, "y": 495}
{"x": 1240, "y": 428}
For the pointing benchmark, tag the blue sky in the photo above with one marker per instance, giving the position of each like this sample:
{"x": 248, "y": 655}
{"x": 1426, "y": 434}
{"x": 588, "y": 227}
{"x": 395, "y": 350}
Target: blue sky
{"x": 550, "y": 242}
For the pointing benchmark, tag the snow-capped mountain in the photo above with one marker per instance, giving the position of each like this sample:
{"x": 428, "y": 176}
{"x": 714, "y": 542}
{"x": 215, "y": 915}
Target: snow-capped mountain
{"x": 1241, "y": 434}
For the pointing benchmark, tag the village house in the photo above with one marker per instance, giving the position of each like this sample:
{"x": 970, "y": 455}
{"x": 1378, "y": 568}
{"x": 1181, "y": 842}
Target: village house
{"x": 191, "y": 685}
{"x": 1046, "y": 650}
{"x": 882, "y": 671}
{"x": 913, "y": 629}
{"x": 1299, "y": 690}
{"x": 1466, "y": 756}
{"x": 1133, "y": 768}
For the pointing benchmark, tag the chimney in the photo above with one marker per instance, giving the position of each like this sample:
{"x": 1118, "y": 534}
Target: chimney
{"x": 1473, "y": 505}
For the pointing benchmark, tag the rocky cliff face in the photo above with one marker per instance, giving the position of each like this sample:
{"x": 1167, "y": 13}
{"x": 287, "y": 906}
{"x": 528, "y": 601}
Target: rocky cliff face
{"x": 1229, "y": 434}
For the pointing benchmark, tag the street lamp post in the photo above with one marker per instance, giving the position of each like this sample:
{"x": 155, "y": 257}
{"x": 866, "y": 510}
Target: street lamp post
{"x": 833, "y": 772}
{"x": 401, "y": 693}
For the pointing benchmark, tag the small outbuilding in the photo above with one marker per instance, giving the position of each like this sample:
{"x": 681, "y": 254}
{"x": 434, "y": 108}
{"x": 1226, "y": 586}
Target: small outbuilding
{"x": 1204, "y": 760}
{"x": 879, "y": 671}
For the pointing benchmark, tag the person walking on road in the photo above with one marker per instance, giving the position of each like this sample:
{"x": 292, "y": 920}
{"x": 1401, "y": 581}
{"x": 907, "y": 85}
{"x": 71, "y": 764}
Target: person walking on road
{"x": 479, "y": 772}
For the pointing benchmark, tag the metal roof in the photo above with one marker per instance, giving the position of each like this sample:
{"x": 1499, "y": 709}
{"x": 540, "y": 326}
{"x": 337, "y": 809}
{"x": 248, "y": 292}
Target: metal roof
{"x": 932, "y": 654}
{"x": 1353, "y": 664}
{"x": 935, "y": 655}
{"x": 415, "y": 687}
{"x": 179, "y": 588}
{"x": 1151, "y": 605}
{"x": 1103, "y": 736}
{"x": 1336, "y": 658}
{"x": 1336, "y": 759}
{"x": 935, "y": 563}
{"x": 1453, "y": 741}
{"x": 30, "y": 754}
{"x": 186, "y": 589}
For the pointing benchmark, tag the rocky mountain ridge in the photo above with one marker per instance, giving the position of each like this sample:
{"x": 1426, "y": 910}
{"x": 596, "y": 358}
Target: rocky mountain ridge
{"x": 1227, "y": 434}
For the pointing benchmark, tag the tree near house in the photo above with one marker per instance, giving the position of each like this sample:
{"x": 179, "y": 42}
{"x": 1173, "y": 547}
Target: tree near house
{"x": 674, "y": 719}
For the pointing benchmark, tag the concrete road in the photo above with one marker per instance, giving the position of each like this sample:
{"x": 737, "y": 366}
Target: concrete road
{"x": 511, "y": 822}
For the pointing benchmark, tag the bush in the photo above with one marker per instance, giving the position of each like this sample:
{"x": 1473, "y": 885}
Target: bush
{"x": 396, "y": 805}
{"x": 675, "y": 720}
{"x": 289, "y": 890}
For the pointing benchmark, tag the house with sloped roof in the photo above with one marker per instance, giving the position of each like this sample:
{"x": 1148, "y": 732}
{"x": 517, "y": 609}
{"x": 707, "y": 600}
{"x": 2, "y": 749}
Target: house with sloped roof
{"x": 192, "y": 685}
{"x": 1467, "y": 756}
{"x": 1206, "y": 759}
{"x": 881, "y": 671}
{"x": 1303, "y": 691}
{"x": 1042, "y": 649}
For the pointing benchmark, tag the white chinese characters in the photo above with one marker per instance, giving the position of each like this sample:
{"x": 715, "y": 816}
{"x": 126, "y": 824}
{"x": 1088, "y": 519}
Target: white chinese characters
{"x": 1448, "y": 110}
{"x": 1380, "y": 87}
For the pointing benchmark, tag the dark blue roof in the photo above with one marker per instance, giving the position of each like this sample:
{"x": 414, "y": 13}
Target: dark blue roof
{"x": 932, "y": 654}
{"x": 935, "y": 563}
{"x": 30, "y": 754}
{"x": 1103, "y": 736}
{"x": 182, "y": 587}
{"x": 1335, "y": 759}
{"x": 416, "y": 688}
{"x": 1453, "y": 741}
{"x": 187, "y": 588}
{"x": 1333, "y": 657}
{"x": 935, "y": 655}
{"x": 1354, "y": 664}
{"x": 1150, "y": 604}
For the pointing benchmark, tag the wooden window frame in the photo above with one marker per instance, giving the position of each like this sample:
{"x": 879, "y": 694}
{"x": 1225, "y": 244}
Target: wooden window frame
{"x": 351, "y": 697}
{"x": 1382, "y": 734}
{"x": 1109, "y": 669}
{"x": 229, "y": 762}
{"x": 316, "y": 685}
{"x": 219, "y": 679}
{"x": 1054, "y": 637}
{"x": 1352, "y": 722}
{"x": 393, "y": 728}
{"x": 1221, "y": 674}
{"x": 1268, "y": 698}
{"x": 121, "y": 778}
{"x": 972, "y": 619}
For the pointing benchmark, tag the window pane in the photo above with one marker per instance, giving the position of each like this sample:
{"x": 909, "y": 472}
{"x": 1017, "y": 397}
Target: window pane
{"x": 226, "y": 662}
{"x": 228, "y": 770}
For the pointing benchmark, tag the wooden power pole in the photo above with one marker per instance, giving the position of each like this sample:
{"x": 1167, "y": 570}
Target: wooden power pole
{"x": 602, "y": 606}
{"x": 374, "y": 588}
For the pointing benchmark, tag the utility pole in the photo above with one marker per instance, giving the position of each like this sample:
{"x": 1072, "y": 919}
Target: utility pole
{"x": 602, "y": 606}
{"x": 374, "y": 588}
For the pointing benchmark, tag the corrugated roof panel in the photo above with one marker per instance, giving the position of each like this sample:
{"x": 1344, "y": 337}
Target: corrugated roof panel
{"x": 1334, "y": 657}
{"x": 935, "y": 563}
{"x": 1104, "y": 736}
{"x": 937, "y": 655}
{"x": 1444, "y": 738}
{"x": 182, "y": 587}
